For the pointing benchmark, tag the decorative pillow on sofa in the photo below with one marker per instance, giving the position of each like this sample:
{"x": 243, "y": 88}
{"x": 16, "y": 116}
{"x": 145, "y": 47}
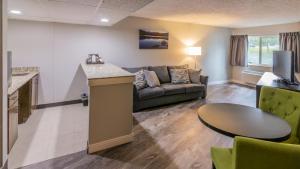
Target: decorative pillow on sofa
{"x": 162, "y": 73}
{"x": 194, "y": 75}
{"x": 140, "y": 81}
{"x": 151, "y": 78}
{"x": 180, "y": 76}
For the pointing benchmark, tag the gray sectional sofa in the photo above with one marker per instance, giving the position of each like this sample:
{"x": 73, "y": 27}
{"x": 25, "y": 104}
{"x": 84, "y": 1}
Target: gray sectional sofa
{"x": 167, "y": 92}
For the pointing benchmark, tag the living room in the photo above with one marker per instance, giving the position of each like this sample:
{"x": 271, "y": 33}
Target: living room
{"x": 150, "y": 84}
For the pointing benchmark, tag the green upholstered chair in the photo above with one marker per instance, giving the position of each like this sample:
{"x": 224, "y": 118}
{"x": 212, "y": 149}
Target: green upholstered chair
{"x": 250, "y": 153}
{"x": 285, "y": 104}
{"x": 256, "y": 154}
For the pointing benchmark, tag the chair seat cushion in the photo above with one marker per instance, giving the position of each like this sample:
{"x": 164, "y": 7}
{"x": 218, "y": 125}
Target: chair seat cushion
{"x": 148, "y": 93}
{"x": 222, "y": 158}
{"x": 191, "y": 88}
{"x": 171, "y": 89}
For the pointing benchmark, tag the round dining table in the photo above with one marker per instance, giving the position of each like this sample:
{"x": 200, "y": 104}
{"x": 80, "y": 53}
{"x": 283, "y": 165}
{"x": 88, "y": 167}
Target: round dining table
{"x": 239, "y": 120}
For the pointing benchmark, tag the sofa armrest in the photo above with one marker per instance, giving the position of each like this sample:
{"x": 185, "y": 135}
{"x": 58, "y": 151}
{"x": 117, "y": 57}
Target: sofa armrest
{"x": 135, "y": 93}
{"x": 204, "y": 79}
{"x": 252, "y": 153}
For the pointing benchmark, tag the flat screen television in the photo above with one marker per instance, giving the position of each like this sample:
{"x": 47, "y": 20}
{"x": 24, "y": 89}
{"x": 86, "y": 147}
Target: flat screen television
{"x": 283, "y": 65}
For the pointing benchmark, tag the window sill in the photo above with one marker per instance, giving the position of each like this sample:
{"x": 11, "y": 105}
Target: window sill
{"x": 260, "y": 65}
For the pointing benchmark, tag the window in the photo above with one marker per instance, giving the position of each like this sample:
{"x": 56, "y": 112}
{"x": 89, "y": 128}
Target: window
{"x": 260, "y": 49}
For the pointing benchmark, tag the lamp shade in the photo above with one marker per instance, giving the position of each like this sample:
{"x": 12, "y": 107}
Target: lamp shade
{"x": 193, "y": 51}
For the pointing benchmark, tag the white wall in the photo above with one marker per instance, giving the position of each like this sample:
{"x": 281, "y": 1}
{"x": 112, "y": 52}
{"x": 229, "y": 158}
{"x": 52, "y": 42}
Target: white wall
{"x": 59, "y": 48}
{"x": 263, "y": 30}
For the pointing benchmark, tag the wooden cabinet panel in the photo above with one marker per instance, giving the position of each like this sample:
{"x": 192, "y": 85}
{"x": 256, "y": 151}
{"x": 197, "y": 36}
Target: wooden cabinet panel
{"x": 25, "y": 102}
{"x": 34, "y": 95}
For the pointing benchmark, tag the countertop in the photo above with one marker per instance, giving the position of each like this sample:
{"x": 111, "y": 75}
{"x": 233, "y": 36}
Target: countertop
{"x": 20, "y": 80}
{"x": 103, "y": 71}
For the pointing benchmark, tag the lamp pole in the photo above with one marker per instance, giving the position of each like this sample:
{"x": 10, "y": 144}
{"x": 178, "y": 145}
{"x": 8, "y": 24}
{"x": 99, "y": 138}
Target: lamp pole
{"x": 195, "y": 60}
{"x": 194, "y": 51}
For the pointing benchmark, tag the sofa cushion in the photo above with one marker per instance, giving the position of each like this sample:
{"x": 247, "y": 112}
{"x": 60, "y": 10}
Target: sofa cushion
{"x": 191, "y": 88}
{"x": 179, "y": 76}
{"x": 194, "y": 75}
{"x": 151, "y": 78}
{"x": 162, "y": 73}
{"x": 171, "y": 89}
{"x": 148, "y": 93}
{"x": 178, "y": 67}
{"x": 135, "y": 69}
{"x": 140, "y": 81}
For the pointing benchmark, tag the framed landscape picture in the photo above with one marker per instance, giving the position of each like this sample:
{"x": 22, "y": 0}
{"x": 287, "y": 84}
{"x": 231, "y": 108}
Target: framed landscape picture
{"x": 153, "y": 39}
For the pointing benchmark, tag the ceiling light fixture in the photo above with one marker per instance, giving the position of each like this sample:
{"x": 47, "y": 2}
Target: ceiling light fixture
{"x": 104, "y": 20}
{"x": 16, "y": 12}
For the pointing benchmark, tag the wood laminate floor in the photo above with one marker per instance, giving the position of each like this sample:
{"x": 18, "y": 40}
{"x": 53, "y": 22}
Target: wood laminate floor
{"x": 169, "y": 137}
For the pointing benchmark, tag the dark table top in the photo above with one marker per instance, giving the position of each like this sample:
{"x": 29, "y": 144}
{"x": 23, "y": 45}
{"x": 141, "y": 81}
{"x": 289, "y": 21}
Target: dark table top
{"x": 238, "y": 120}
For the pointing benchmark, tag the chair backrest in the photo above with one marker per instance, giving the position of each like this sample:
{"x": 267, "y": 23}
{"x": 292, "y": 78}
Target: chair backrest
{"x": 257, "y": 154}
{"x": 283, "y": 103}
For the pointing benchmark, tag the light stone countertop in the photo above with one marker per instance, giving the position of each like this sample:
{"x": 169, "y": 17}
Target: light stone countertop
{"x": 102, "y": 71}
{"x": 18, "y": 81}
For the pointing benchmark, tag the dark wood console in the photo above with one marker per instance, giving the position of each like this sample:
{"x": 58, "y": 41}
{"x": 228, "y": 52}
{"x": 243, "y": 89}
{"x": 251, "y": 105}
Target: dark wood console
{"x": 269, "y": 79}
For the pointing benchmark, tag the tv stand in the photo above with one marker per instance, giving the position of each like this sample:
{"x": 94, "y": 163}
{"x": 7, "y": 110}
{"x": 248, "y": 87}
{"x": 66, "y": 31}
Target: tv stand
{"x": 271, "y": 80}
{"x": 285, "y": 82}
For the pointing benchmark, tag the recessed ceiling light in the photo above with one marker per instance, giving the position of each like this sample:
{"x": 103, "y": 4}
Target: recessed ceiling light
{"x": 104, "y": 20}
{"x": 16, "y": 12}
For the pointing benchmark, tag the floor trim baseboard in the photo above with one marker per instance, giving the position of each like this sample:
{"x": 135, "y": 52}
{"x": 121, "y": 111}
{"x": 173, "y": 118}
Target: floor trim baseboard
{"x": 218, "y": 82}
{"x": 242, "y": 83}
{"x": 42, "y": 106}
{"x": 110, "y": 143}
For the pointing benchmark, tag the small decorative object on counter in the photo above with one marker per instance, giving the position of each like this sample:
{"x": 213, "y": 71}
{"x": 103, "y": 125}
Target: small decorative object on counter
{"x": 84, "y": 99}
{"x": 94, "y": 59}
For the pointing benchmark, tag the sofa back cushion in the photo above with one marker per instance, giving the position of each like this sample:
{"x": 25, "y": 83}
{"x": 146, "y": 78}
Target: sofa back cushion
{"x": 195, "y": 76}
{"x": 151, "y": 78}
{"x": 162, "y": 73}
{"x": 186, "y": 66}
{"x": 179, "y": 76}
{"x": 135, "y": 69}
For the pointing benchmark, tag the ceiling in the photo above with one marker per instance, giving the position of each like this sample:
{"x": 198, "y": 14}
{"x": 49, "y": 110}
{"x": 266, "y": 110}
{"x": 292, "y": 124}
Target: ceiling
{"x": 75, "y": 11}
{"x": 224, "y": 13}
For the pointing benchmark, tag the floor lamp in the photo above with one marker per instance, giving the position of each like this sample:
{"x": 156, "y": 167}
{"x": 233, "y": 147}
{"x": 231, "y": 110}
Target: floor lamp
{"x": 194, "y": 51}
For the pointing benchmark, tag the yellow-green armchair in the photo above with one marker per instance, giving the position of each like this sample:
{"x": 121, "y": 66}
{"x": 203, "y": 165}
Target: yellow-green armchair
{"x": 250, "y": 153}
{"x": 257, "y": 154}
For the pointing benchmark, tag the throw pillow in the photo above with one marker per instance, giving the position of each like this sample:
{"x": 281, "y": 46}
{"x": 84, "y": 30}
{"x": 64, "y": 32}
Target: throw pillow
{"x": 151, "y": 78}
{"x": 195, "y": 75}
{"x": 162, "y": 73}
{"x": 179, "y": 76}
{"x": 140, "y": 81}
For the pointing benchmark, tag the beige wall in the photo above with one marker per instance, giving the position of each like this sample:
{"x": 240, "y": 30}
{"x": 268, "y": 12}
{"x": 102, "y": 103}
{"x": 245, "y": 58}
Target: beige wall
{"x": 3, "y": 86}
{"x": 59, "y": 48}
{"x": 237, "y": 74}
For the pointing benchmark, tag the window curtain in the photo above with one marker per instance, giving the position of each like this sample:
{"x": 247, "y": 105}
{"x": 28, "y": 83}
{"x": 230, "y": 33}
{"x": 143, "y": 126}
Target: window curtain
{"x": 291, "y": 41}
{"x": 238, "y": 50}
